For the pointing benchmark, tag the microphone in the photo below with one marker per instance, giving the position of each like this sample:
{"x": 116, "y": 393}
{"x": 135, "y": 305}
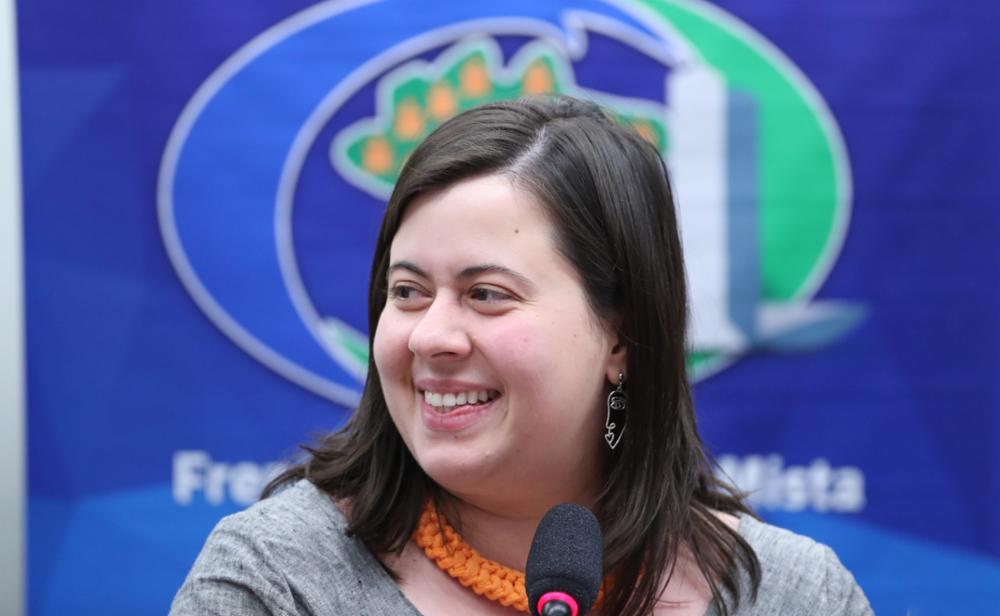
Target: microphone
{"x": 565, "y": 563}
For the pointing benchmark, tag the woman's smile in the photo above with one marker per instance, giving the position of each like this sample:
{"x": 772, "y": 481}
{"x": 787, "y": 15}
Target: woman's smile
{"x": 448, "y": 402}
{"x": 452, "y": 414}
{"x": 451, "y": 406}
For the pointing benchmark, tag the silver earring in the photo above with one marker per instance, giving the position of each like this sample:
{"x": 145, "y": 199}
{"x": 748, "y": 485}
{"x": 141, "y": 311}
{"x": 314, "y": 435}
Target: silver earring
{"x": 617, "y": 406}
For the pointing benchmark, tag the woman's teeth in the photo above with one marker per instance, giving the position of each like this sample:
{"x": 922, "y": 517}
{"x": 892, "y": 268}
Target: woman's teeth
{"x": 445, "y": 402}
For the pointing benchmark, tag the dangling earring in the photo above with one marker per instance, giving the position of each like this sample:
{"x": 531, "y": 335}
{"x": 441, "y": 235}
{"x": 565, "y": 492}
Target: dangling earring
{"x": 617, "y": 405}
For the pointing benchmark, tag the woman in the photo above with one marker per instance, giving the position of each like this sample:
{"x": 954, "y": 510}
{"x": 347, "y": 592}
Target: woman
{"x": 527, "y": 278}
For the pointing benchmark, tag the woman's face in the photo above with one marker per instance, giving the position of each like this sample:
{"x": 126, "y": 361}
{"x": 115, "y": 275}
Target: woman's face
{"x": 492, "y": 364}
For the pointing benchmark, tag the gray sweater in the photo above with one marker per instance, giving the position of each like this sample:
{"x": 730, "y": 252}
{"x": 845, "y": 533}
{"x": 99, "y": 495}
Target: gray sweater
{"x": 289, "y": 554}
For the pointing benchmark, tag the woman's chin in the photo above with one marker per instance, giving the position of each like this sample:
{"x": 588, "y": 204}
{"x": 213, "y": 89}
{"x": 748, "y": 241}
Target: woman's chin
{"x": 459, "y": 470}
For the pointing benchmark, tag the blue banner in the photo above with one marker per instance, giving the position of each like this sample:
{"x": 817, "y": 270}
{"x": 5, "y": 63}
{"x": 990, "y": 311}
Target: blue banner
{"x": 203, "y": 183}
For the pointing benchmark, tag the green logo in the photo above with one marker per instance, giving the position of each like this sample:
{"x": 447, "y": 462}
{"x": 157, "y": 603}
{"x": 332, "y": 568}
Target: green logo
{"x": 416, "y": 98}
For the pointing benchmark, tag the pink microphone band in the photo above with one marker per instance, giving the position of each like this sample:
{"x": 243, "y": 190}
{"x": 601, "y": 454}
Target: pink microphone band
{"x": 558, "y": 596}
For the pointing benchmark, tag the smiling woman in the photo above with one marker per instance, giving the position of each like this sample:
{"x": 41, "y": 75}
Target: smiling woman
{"x": 529, "y": 309}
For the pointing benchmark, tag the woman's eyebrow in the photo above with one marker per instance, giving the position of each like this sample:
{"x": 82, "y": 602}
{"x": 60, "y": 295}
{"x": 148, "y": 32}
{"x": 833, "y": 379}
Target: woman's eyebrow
{"x": 408, "y": 266}
{"x": 469, "y": 272}
{"x": 489, "y": 268}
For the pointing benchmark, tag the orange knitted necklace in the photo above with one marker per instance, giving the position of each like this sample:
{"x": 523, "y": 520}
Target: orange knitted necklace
{"x": 458, "y": 559}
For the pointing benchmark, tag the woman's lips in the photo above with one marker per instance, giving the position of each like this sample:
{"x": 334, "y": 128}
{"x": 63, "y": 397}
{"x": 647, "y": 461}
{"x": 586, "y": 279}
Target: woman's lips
{"x": 457, "y": 418}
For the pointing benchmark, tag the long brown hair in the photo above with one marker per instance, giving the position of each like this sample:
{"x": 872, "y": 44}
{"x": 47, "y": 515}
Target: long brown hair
{"x": 608, "y": 194}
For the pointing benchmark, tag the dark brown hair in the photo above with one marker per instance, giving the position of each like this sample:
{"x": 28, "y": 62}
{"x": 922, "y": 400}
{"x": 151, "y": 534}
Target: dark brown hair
{"x": 607, "y": 193}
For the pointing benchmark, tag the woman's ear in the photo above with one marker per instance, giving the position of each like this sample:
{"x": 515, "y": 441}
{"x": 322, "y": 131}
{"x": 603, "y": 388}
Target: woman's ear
{"x": 618, "y": 355}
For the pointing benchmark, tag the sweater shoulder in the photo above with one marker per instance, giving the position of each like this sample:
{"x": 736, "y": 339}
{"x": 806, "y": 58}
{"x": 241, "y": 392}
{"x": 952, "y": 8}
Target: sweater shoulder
{"x": 287, "y": 554}
{"x": 299, "y": 514}
{"x": 800, "y": 575}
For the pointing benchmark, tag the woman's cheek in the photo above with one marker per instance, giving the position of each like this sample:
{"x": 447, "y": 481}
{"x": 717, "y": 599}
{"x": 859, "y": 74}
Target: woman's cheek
{"x": 378, "y": 346}
{"x": 521, "y": 353}
{"x": 390, "y": 349}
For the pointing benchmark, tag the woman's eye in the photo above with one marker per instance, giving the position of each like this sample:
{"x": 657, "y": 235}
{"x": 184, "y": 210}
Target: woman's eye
{"x": 403, "y": 292}
{"x": 486, "y": 294}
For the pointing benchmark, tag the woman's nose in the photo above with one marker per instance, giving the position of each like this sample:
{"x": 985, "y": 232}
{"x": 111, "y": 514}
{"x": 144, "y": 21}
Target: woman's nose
{"x": 440, "y": 332}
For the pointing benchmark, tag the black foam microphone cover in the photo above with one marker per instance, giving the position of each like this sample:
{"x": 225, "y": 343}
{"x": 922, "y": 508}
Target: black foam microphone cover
{"x": 566, "y": 556}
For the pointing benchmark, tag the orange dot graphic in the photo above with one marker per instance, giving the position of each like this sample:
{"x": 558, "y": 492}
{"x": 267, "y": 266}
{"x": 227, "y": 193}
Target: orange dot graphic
{"x": 474, "y": 79}
{"x": 442, "y": 101}
{"x": 409, "y": 121}
{"x": 537, "y": 79}
{"x": 377, "y": 156}
{"x": 646, "y": 132}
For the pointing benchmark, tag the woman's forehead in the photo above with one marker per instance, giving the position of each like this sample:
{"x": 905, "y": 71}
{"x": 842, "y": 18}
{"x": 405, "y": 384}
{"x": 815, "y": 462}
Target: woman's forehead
{"x": 495, "y": 196}
{"x": 487, "y": 210}
{"x": 486, "y": 222}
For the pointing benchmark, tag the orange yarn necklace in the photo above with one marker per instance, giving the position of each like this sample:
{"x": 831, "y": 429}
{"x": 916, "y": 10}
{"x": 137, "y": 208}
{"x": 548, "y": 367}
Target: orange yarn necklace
{"x": 458, "y": 559}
